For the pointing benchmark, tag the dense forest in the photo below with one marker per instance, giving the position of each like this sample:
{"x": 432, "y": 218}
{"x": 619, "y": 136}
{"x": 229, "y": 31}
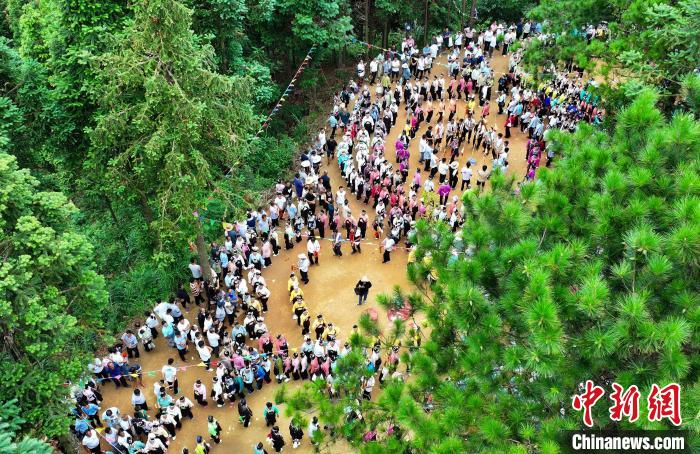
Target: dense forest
{"x": 119, "y": 120}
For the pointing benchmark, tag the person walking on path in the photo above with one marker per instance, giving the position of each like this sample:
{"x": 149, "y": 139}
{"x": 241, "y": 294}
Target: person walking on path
{"x": 304, "y": 264}
{"x": 214, "y": 429}
{"x": 313, "y": 248}
{"x": 296, "y": 433}
{"x": 276, "y": 439}
{"x": 387, "y": 246}
{"x": 270, "y": 412}
{"x": 244, "y": 413}
{"x": 362, "y": 290}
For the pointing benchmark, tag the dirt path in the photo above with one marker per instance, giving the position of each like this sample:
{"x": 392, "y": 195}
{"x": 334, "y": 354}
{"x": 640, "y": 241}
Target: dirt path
{"x": 330, "y": 292}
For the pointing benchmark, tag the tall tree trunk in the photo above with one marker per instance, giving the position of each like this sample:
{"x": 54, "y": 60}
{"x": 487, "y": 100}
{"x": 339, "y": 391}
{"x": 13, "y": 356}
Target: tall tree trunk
{"x": 472, "y": 14}
{"x": 425, "y": 24}
{"x": 108, "y": 202}
{"x": 222, "y": 47}
{"x": 202, "y": 252}
{"x": 385, "y": 35}
{"x": 367, "y": 21}
{"x": 461, "y": 14}
{"x": 146, "y": 209}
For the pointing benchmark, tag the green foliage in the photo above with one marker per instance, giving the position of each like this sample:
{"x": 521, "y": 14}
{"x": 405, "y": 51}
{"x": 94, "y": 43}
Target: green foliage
{"x": 653, "y": 42}
{"x": 50, "y": 297}
{"x": 10, "y": 422}
{"x": 167, "y": 123}
{"x": 592, "y": 272}
{"x": 508, "y": 11}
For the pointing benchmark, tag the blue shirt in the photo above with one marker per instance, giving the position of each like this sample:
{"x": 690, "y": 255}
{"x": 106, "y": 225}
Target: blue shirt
{"x": 298, "y": 186}
{"x": 180, "y": 341}
{"x": 164, "y": 402}
{"x": 175, "y": 311}
{"x": 81, "y": 426}
{"x": 91, "y": 409}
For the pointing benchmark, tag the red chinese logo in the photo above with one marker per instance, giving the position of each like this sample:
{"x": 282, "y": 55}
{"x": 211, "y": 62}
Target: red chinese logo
{"x": 587, "y": 400}
{"x": 665, "y": 403}
{"x": 626, "y": 403}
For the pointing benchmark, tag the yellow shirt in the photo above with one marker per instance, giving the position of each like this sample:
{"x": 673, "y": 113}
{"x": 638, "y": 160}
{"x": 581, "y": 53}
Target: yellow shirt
{"x": 298, "y": 305}
{"x": 255, "y": 304}
{"x": 412, "y": 256}
{"x": 331, "y": 332}
{"x": 295, "y": 293}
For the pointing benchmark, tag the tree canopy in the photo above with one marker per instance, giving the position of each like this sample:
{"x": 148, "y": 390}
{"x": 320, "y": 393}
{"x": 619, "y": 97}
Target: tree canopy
{"x": 121, "y": 121}
{"x": 646, "y": 42}
{"x": 591, "y": 272}
{"x": 47, "y": 276}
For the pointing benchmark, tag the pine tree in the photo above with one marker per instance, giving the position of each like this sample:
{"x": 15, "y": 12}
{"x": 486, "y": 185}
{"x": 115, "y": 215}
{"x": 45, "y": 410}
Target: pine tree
{"x": 10, "y": 423}
{"x": 168, "y": 125}
{"x": 591, "y": 272}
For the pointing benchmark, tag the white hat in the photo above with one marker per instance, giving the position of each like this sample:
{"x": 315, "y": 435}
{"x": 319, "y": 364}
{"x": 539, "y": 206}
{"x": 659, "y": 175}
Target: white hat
{"x": 365, "y": 278}
{"x": 301, "y": 256}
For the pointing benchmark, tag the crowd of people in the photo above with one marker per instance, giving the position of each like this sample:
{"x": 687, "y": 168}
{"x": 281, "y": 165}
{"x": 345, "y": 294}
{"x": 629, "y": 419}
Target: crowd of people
{"x": 229, "y": 333}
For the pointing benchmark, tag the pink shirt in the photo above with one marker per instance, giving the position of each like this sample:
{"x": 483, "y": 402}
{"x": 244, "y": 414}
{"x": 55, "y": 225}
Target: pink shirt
{"x": 417, "y": 179}
{"x": 266, "y": 250}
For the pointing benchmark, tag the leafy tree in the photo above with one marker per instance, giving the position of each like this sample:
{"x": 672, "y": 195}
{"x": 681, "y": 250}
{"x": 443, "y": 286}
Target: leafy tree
{"x": 10, "y": 423}
{"x": 50, "y": 297}
{"x": 168, "y": 126}
{"x": 654, "y": 43}
{"x": 508, "y": 11}
{"x": 592, "y": 272}
{"x": 289, "y": 27}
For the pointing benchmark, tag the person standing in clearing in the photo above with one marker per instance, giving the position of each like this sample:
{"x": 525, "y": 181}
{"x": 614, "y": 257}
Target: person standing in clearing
{"x": 387, "y": 246}
{"x": 303, "y": 266}
{"x": 362, "y": 290}
{"x": 214, "y": 429}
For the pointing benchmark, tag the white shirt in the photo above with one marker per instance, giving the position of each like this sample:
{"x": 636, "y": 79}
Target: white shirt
{"x": 388, "y": 244}
{"x": 91, "y": 442}
{"x": 161, "y": 309}
{"x": 369, "y": 384}
{"x": 138, "y": 400}
{"x": 213, "y": 339}
{"x": 196, "y": 270}
{"x": 169, "y": 373}
{"x": 466, "y": 173}
{"x": 340, "y": 197}
{"x": 204, "y": 353}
